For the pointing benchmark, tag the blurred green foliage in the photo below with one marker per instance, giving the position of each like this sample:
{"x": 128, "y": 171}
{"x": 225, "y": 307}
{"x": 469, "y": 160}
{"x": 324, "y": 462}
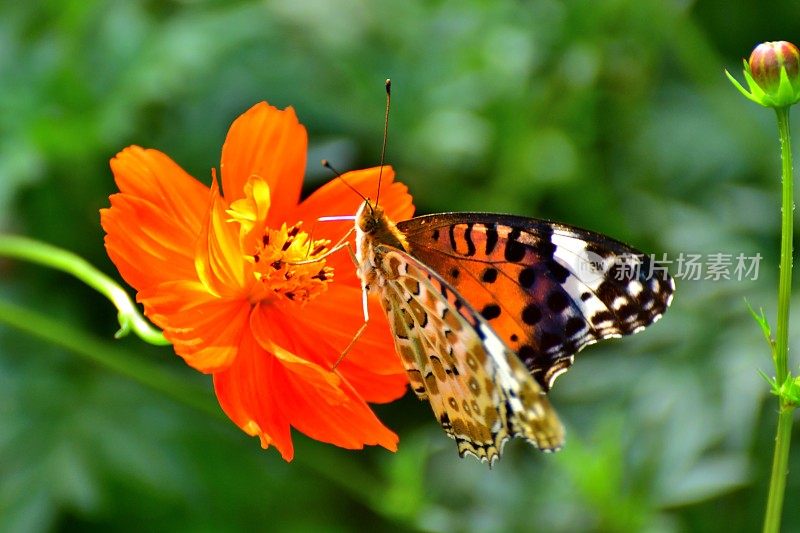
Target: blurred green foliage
{"x": 610, "y": 115}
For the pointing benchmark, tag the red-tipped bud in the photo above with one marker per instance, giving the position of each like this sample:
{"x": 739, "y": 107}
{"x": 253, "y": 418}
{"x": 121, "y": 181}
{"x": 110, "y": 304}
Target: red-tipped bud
{"x": 772, "y": 74}
{"x": 767, "y": 61}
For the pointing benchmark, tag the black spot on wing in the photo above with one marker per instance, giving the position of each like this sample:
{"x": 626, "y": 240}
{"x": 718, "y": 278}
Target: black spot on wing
{"x": 468, "y": 238}
{"x": 515, "y": 250}
{"x": 557, "y": 270}
{"x": 527, "y": 277}
{"x": 627, "y": 311}
{"x": 491, "y": 238}
{"x": 490, "y": 311}
{"x": 574, "y": 326}
{"x": 548, "y": 341}
{"x": 558, "y": 301}
{"x": 489, "y": 275}
{"x": 602, "y": 316}
{"x": 531, "y": 315}
{"x": 544, "y": 248}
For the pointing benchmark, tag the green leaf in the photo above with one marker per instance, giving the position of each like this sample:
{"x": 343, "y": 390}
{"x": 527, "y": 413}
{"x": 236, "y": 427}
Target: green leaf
{"x": 761, "y": 320}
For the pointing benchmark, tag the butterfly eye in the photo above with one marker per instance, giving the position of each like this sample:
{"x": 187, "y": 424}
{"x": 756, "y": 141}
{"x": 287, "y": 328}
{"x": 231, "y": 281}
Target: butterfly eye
{"x": 366, "y": 224}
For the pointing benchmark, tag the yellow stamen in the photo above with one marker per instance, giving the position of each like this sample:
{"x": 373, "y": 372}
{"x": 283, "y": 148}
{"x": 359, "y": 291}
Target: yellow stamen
{"x": 276, "y": 269}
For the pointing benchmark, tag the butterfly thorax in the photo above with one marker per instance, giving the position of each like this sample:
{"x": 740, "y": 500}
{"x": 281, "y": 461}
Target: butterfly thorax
{"x": 374, "y": 228}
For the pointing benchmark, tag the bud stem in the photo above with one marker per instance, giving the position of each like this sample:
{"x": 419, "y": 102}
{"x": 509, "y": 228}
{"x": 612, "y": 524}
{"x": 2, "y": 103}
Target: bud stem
{"x": 787, "y": 229}
{"x": 777, "y": 486}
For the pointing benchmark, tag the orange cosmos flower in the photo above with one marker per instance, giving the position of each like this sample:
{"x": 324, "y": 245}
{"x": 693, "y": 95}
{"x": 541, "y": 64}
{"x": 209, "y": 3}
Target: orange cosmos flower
{"x": 216, "y": 270}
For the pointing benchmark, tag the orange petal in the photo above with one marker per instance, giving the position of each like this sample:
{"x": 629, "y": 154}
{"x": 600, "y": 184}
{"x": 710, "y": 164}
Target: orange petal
{"x": 312, "y": 345}
{"x": 152, "y": 175}
{"x": 345, "y": 419}
{"x": 350, "y": 424}
{"x": 269, "y": 143}
{"x": 336, "y": 198}
{"x": 205, "y": 330}
{"x": 153, "y": 223}
{"x": 143, "y": 243}
{"x": 265, "y": 323}
{"x": 327, "y": 325}
{"x": 247, "y": 393}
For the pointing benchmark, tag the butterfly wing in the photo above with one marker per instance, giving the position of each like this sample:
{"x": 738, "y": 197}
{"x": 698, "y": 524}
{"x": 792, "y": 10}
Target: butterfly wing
{"x": 479, "y": 390}
{"x": 547, "y": 289}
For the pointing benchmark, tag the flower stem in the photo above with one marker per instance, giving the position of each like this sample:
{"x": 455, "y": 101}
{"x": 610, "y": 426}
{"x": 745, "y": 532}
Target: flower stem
{"x": 44, "y": 254}
{"x": 787, "y": 229}
{"x": 777, "y": 485}
{"x": 780, "y": 461}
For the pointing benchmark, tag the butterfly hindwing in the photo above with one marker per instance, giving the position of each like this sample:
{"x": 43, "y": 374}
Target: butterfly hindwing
{"x": 479, "y": 390}
{"x": 547, "y": 289}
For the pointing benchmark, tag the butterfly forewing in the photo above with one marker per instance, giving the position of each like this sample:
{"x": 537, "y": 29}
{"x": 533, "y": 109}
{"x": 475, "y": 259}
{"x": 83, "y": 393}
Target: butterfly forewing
{"x": 547, "y": 289}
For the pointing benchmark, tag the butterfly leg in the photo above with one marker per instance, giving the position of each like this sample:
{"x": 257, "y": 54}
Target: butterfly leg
{"x": 360, "y": 331}
{"x": 349, "y": 347}
{"x": 365, "y": 308}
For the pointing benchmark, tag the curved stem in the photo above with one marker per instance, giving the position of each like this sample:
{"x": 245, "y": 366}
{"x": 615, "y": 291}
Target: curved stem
{"x": 780, "y": 461}
{"x": 44, "y": 254}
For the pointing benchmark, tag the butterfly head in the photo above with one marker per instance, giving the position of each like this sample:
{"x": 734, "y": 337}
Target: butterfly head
{"x": 371, "y": 221}
{"x": 368, "y": 217}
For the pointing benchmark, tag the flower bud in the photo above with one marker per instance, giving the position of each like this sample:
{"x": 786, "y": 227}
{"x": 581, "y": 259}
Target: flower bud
{"x": 772, "y": 74}
{"x": 767, "y": 61}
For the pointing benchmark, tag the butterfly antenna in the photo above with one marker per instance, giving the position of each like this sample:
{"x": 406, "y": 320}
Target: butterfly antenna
{"x": 327, "y": 164}
{"x": 385, "y": 135}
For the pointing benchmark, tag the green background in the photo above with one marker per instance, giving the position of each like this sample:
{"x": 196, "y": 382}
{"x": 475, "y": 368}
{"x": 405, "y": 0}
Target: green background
{"x": 612, "y": 115}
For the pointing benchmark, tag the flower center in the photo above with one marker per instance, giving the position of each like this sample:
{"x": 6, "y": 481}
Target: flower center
{"x": 288, "y": 266}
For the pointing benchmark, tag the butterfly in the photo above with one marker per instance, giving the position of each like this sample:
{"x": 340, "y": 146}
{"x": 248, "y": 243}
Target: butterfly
{"x": 487, "y": 310}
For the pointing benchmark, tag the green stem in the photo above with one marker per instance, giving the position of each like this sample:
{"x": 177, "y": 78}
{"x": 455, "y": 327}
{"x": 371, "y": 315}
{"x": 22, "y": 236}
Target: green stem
{"x": 780, "y": 470}
{"x": 787, "y": 229}
{"x": 780, "y": 461}
{"x": 44, "y": 254}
